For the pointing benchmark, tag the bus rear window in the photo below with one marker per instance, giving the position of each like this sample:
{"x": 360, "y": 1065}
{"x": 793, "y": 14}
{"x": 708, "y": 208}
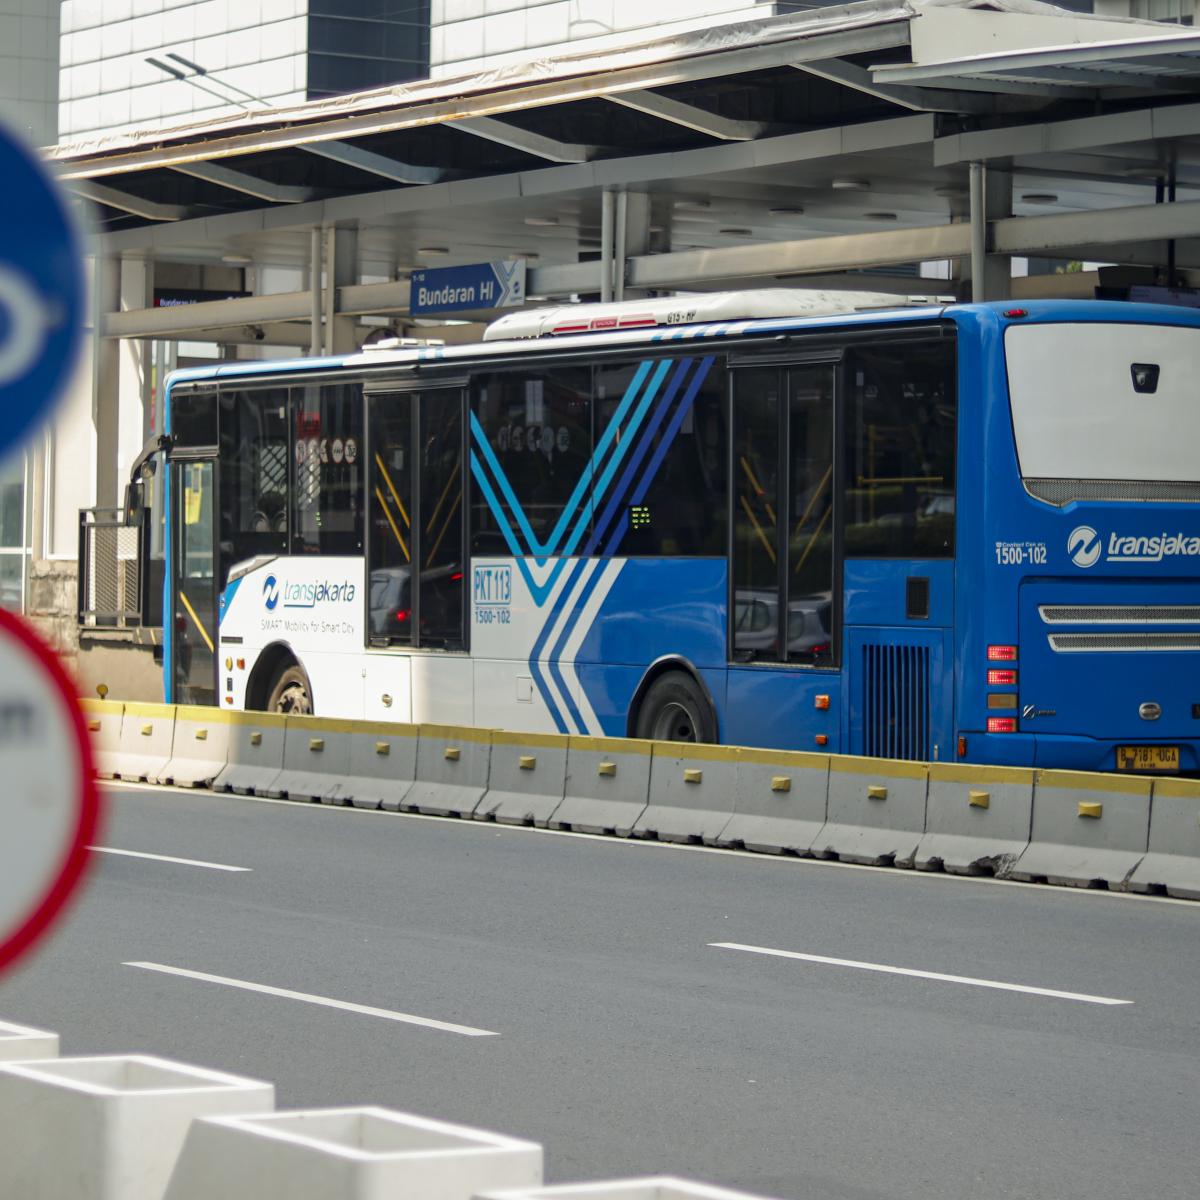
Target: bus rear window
{"x": 1105, "y": 411}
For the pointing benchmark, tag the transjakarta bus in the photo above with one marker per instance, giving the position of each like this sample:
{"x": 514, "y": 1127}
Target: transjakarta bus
{"x": 936, "y": 533}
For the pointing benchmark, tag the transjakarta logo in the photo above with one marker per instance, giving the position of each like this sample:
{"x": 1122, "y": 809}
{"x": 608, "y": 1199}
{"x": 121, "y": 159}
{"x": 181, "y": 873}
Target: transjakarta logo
{"x": 305, "y": 595}
{"x": 1085, "y": 546}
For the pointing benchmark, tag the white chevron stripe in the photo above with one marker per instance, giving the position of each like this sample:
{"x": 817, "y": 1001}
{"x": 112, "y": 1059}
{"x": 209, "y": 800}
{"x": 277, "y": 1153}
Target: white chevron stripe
{"x": 612, "y": 569}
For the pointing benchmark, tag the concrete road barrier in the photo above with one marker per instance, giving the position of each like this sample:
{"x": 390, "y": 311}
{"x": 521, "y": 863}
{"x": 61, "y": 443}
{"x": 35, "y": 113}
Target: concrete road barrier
{"x": 691, "y": 793}
{"x": 527, "y": 778}
{"x": 452, "y": 770}
{"x": 19, "y": 1043}
{"x": 199, "y": 748}
{"x": 779, "y": 804}
{"x": 607, "y": 785}
{"x": 383, "y": 765}
{"x": 347, "y": 1154}
{"x": 1087, "y": 829}
{"x": 107, "y": 1128}
{"x": 876, "y": 811}
{"x": 316, "y": 758}
{"x": 654, "y": 1187}
{"x": 977, "y": 819}
{"x": 255, "y": 754}
{"x": 147, "y": 731}
{"x": 1172, "y": 861}
{"x": 103, "y": 720}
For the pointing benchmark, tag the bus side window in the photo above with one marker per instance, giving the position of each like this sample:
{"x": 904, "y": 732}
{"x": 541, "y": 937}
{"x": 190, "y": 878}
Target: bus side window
{"x": 900, "y": 450}
{"x": 531, "y": 435}
{"x": 253, "y": 475}
{"x": 327, "y": 499}
{"x": 665, "y": 421}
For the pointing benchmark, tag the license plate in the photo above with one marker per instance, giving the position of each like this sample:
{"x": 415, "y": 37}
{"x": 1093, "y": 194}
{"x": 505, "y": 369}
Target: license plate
{"x": 1147, "y": 758}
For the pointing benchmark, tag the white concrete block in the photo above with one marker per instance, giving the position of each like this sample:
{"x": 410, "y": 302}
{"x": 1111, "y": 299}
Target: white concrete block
{"x": 347, "y": 1154}
{"x": 107, "y": 1128}
{"x": 19, "y": 1043}
{"x": 655, "y": 1187}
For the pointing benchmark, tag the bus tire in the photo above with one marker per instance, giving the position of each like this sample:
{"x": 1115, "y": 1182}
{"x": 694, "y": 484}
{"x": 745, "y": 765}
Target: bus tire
{"x": 290, "y": 692}
{"x": 675, "y": 709}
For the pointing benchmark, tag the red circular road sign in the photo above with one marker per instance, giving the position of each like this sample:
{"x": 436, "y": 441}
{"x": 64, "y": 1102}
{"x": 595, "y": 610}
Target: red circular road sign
{"x": 49, "y": 805}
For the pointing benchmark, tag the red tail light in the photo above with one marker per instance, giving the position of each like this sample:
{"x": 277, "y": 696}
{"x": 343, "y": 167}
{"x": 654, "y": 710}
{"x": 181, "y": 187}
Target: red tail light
{"x": 403, "y": 614}
{"x": 1002, "y": 654}
{"x": 1002, "y": 725}
{"x": 1002, "y": 678}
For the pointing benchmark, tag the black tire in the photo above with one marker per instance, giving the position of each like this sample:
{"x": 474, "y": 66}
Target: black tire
{"x": 290, "y": 692}
{"x": 675, "y": 710}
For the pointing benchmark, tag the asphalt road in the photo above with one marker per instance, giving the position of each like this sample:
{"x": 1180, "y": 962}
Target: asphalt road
{"x": 621, "y": 1037}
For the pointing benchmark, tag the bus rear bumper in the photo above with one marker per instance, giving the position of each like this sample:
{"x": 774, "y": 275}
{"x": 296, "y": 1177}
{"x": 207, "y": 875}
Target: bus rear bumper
{"x": 1067, "y": 753}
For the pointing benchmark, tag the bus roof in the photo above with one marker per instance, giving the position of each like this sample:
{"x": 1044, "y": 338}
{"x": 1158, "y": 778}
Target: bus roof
{"x": 705, "y": 331}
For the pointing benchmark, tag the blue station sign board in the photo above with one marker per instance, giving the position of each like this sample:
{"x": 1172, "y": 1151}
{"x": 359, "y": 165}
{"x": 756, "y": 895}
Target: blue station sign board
{"x": 41, "y": 291}
{"x": 473, "y": 288}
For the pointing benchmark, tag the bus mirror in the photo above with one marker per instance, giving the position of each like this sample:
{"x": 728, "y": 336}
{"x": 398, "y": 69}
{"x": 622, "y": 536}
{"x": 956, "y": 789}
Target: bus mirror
{"x": 135, "y": 501}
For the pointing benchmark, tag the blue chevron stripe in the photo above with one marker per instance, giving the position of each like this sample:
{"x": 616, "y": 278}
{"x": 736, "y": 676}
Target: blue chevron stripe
{"x": 543, "y": 550}
{"x": 639, "y": 454}
{"x": 543, "y": 636}
{"x": 659, "y": 454}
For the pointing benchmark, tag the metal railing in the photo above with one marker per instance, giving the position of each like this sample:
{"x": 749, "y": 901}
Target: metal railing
{"x": 111, "y": 574}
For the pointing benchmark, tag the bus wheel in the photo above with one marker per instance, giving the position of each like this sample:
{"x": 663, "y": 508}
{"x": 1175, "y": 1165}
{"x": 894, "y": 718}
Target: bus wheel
{"x": 675, "y": 710}
{"x": 290, "y": 693}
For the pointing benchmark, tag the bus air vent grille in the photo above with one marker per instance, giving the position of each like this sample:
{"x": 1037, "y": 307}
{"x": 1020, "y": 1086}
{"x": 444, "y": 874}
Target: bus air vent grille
{"x": 1138, "y": 614}
{"x": 1067, "y": 491}
{"x": 1066, "y": 643}
{"x": 896, "y": 701}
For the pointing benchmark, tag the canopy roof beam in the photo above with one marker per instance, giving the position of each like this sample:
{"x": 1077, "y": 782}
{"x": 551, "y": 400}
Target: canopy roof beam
{"x": 249, "y": 185}
{"x": 112, "y": 197}
{"x": 374, "y": 164}
{"x": 689, "y": 116}
{"x": 917, "y": 99}
{"x": 507, "y": 134}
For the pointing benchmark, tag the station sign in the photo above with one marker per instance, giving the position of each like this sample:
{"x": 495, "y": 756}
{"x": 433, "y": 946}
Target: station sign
{"x": 49, "y": 806}
{"x": 41, "y": 291}
{"x": 477, "y": 287}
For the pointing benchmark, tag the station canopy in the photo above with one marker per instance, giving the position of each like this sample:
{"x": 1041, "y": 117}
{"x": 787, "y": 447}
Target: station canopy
{"x": 848, "y": 129}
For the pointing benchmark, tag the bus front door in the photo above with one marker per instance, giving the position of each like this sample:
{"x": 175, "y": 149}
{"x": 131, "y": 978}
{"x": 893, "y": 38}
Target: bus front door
{"x": 193, "y": 584}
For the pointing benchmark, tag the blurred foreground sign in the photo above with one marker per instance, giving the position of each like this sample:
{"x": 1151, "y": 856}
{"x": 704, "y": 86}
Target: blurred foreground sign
{"x": 41, "y": 290}
{"x": 48, "y": 800}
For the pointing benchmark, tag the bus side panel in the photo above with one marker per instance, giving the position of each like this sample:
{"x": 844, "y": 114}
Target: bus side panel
{"x": 776, "y": 707}
{"x": 656, "y": 608}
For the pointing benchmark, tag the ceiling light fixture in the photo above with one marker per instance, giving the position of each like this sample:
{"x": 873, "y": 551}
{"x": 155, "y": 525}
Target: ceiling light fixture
{"x": 850, "y": 185}
{"x": 237, "y": 260}
{"x": 736, "y": 231}
{"x": 787, "y": 210}
{"x": 433, "y": 251}
{"x": 547, "y": 221}
{"x": 1039, "y": 197}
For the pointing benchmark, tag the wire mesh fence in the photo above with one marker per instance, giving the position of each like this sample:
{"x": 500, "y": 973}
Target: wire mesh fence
{"x": 110, "y": 569}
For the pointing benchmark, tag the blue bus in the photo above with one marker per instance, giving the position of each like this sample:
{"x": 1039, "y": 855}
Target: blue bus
{"x": 777, "y": 518}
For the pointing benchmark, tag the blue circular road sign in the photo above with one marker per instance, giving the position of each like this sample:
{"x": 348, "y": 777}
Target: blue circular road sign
{"x": 41, "y": 290}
